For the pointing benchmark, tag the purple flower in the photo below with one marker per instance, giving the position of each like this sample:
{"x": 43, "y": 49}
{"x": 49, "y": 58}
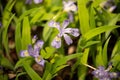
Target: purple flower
{"x": 69, "y": 6}
{"x": 34, "y": 39}
{"x": 38, "y": 44}
{"x": 28, "y": 2}
{"x": 103, "y": 74}
{"x": 40, "y": 60}
{"x": 35, "y": 1}
{"x": 38, "y": 1}
{"x": 24, "y": 53}
{"x": 63, "y": 31}
{"x": 34, "y": 51}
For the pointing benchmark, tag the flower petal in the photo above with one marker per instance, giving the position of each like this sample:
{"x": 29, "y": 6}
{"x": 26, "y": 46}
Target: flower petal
{"x": 56, "y": 42}
{"x": 28, "y": 2}
{"x": 38, "y": 44}
{"x": 32, "y": 52}
{"x": 70, "y": 17}
{"x": 24, "y": 53}
{"x": 65, "y": 23}
{"x": 37, "y": 1}
{"x": 68, "y": 40}
{"x": 40, "y": 60}
{"x": 34, "y": 39}
{"x": 72, "y": 31}
{"x": 69, "y": 6}
{"x": 54, "y": 24}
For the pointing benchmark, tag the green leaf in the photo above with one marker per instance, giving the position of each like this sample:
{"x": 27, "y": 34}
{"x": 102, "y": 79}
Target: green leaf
{"x": 90, "y": 43}
{"x": 39, "y": 13}
{"x": 116, "y": 48}
{"x": 6, "y": 63}
{"x": 63, "y": 60}
{"x": 18, "y": 38}
{"x": 27, "y": 60}
{"x": 33, "y": 75}
{"x": 105, "y": 57}
{"x": 96, "y": 31}
{"x": 20, "y": 74}
{"x": 83, "y": 16}
{"x": 26, "y": 33}
{"x": 46, "y": 32}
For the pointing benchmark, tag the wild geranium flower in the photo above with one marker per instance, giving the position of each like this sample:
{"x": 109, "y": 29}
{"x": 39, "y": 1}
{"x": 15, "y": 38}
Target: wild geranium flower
{"x": 63, "y": 31}
{"x": 104, "y": 74}
{"x": 34, "y": 52}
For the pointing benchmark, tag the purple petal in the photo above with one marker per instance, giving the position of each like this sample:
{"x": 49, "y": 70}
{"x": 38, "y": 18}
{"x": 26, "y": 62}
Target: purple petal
{"x": 68, "y": 40}
{"x": 40, "y": 61}
{"x": 33, "y": 52}
{"x": 54, "y": 24}
{"x": 72, "y": 31}
{"x": 65, "y": 23}
{"x": 38, "y": 44}
{"x": 34, "y": 39}
{"x": 69, "y": 6}
{"x": 24, "y": 53}
{"x": 37, "y": 1}
{"x": 56, "y": 42}
{"x": 28, "y": 2}
{"x": 70, "y": 17}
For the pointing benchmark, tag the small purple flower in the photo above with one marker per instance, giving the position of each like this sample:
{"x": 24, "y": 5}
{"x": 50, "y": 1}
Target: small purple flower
{"x": 35, "y": 1}
{"x": 69, "y": 6}
{"x": 34, "y": 39}
{"x": 40, "y": 60}
{"x": 38, "y": 44}
{"x": 28, "y": 2}
{"x": 103, "y": 74}
{"x": 38, "y": 1}
{"x": 24, "y": 53}
{"x": 34, "y": 51}
{"x": 63, "y": 31}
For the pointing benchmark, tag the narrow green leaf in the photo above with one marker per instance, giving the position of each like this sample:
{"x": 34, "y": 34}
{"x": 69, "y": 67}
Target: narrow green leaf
{"x": 26, "y": 33}
{"x": 37, "y": 15}
{"x": 18, "y": 38}
{"x": 83, "y": 16}
{"x": 90, "y": 43}
{"x": 85, "y": 56}
{"x": 27, "y": 60}
{"x": 63, "y": 60}
{"x": 105, "y": 57}
{"x": 96, "y": 31}
{"x": 33, "y": 75}
{"x": 116, "y": 48}
{"x": 20, "y": 74}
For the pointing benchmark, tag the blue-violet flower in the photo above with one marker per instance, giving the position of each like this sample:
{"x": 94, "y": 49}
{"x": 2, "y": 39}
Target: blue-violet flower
{"x": 63, "y": 31}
